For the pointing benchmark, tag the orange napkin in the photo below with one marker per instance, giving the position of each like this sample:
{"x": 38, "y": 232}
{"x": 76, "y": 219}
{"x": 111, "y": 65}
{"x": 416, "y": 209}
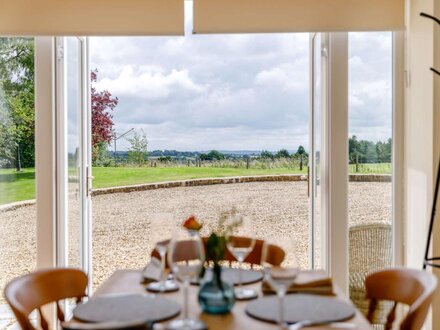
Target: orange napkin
{"x": 307, "y": 281}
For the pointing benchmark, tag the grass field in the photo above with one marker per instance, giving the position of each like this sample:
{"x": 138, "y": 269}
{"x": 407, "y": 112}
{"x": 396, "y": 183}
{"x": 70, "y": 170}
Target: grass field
{"x": 383, "y": 168}
{"x": 16, "y": 186}
{"x": 20, "y": 186}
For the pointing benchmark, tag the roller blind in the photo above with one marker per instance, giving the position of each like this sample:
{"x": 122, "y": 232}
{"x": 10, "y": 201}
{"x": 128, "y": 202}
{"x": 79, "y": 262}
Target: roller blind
{"x": 259, "y": 16}
{"x": 91, "y": 17}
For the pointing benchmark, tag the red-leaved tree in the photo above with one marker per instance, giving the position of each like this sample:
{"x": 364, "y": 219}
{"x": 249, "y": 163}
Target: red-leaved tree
{"x": 103, "y": 103}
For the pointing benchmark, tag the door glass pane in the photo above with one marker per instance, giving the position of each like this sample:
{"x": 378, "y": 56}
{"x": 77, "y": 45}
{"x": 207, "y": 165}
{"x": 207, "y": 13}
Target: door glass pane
{"x": 210, "y": 107}
{"x": 318, "y": 94}
{"x": 74, "y": 109}
{"x": 17, "y": 160}
{"x": 370, "y": 155}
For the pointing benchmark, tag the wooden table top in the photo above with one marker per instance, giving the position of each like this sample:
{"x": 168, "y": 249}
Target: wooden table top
{"x": 131, "y": 281}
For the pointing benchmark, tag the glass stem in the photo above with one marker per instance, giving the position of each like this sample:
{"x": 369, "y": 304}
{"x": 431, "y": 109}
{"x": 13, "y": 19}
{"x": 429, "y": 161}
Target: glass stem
{"x": 162, "y": 274}
{"x": 240, "y": 279}
{"x": 281, "y": 294}
{"x": 185, "y": 299}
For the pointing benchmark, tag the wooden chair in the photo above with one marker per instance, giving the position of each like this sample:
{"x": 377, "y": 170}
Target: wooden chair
{"x": 412, "y": 287}
{"x": 275, "y": 253}
{"x": 32, "y": 291}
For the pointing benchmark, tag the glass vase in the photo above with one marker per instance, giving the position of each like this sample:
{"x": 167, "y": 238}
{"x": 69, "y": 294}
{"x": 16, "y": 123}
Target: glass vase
{"x": 216, "y": 296}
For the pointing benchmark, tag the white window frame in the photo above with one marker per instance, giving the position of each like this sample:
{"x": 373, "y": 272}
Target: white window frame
{"x": 398, "y": 148}
{"x": 45, "y": 157}
{"x": 45, "y": 151}
{"x": 62, "y": 158}
{"x": 334, "y": 153}
{"x": 335, "y": 158}
{"x": 334, "y": 195}
{"x": 51, "y": 146}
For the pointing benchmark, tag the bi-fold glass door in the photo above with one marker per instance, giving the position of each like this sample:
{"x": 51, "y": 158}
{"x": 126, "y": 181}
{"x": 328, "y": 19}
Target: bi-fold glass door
{"x": 74, "y": 175}
{"x": 317, "y": 183}
{"x": 351, "y": 91}
{"x": 73, "y": 150}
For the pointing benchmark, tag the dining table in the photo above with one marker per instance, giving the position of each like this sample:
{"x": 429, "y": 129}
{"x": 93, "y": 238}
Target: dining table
{"x": 132, "y": 282}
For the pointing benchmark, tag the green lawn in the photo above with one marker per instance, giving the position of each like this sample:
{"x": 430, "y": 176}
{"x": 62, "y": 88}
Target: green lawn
{"x": 21, "y": 186}
{"x": 382, "y": 168}
{"x": 16, "y": 186}
{"x": 117, "y": 176}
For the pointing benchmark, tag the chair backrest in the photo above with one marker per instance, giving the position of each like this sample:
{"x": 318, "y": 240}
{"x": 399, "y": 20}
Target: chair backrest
{"x": 32, "y": 291}
{"x": 411, "y": 287}
{"x": 275, "y": 253}
{"x": 370, "y": 248}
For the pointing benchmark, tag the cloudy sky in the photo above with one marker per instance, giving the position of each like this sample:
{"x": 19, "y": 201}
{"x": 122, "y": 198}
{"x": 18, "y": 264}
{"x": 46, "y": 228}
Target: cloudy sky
{"x": 234, "y": 92}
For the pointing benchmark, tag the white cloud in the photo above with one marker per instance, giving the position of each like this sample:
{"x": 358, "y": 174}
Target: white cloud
{"x": 245, "y": 91}
{"x": 290, "y": 77}
{"x": 149, "y": 82}
{"x": 370, "y": 86}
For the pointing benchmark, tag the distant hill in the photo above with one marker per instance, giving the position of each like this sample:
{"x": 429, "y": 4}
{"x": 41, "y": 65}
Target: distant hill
{"x": 193, "y": 154}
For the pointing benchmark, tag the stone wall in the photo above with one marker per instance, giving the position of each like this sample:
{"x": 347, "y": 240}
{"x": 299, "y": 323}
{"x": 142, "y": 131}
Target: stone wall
{"x": 370, "y": 178}
{"x": 199, "y": 182}
{"x": 241, "y": 179}
{"x": 208, "y": 181}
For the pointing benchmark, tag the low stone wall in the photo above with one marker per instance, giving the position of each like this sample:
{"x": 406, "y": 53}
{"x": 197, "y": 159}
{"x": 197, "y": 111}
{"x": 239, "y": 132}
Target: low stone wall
{"x": 16, "y": 205}
{"x": 205, "y": 182}
{"x": 241, "y": 179}
{"x": 370, "y": 178}
{"x": 199, "y": 182}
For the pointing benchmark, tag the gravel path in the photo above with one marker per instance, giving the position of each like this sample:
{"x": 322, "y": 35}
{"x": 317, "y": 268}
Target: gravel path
{"x": 126, "y": 225}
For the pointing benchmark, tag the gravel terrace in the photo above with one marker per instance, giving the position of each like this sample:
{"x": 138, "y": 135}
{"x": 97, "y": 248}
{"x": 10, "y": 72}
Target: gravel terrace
{"x": 126, "y": 225}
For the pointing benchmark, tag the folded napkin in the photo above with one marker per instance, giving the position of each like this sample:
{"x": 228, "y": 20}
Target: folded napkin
{"x": 152, "y": 270}
{"x": 307, "y": 281}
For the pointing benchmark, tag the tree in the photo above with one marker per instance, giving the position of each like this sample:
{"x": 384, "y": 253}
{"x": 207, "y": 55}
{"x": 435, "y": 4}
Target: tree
{"x": 266, "y": 154}
{"x": 138, "y": 152}
{"x": 363, "y": 151}
{"x": 215, "y": 155}
{"x": 283, "y": 153}
{"x": 212, "y": 155}
{"x": 165, "y": 159}
{"x": 103, "y": 103}
{"x": 17, "y": 108}
{"x": 7, "y": 133}
{"x": 300, "y": 153}
{"x": 354, "y": 151}
{"x": 384, "y": 151}
{"x": 368, "y": 149}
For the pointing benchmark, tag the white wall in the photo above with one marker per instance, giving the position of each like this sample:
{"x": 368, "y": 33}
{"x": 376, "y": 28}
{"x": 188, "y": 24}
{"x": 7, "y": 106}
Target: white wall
{"x": 436, "y": 152}
{"x": 418, "y": 131}
{"x": 422, "y": 134}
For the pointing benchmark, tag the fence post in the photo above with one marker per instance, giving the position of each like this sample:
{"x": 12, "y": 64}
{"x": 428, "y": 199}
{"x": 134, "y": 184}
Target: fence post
{"x": 357, "y": 162}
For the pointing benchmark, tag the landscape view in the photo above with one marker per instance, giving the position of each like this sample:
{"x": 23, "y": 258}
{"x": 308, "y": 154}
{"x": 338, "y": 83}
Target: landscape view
{"x": 172, "y": 109}
{"x": 141, "y": 117}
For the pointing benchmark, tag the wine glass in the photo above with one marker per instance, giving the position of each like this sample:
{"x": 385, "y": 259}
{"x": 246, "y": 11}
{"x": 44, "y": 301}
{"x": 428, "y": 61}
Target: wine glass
{"x": 280, "y": 276}
{"x": 186, "y": 256}
{"x": 164, "y": 284}
{"x": 240, "y": 246}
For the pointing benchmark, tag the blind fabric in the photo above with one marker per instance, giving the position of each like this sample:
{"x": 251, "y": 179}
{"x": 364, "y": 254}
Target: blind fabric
{"x": 91, "y": 17}
{"x": 260, "y": 16}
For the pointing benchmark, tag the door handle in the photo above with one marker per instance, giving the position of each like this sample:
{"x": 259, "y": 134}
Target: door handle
{"x": 89, "y": 181}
